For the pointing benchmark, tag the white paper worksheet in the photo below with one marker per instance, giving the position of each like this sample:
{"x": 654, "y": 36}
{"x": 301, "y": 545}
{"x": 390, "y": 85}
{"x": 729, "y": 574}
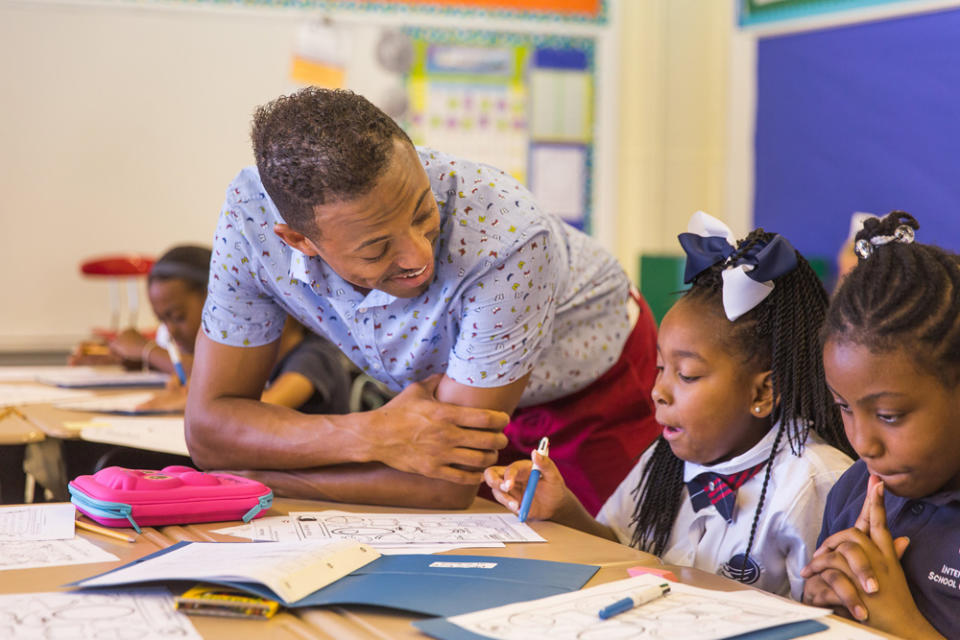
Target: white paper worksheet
{"x": 144, "y": 615}
{"x": 52, "y": 521}
{"x": 686, "y": 612}
{"x": 384, "y": 530}
{"x": 284, "y": 529}
{"x": 51, "y": 553}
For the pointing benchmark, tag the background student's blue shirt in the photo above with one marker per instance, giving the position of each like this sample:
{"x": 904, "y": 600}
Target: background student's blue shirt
{"x": 516, "y": 291}
{"x": 931, "y": 561}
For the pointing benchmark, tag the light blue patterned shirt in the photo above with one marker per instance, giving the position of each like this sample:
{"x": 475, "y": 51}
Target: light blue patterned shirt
{"x": 515, "y": 291}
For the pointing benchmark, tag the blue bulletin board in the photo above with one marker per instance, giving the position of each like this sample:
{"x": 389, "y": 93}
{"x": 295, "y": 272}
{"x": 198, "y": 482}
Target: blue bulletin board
{"x": 859, "y": 118}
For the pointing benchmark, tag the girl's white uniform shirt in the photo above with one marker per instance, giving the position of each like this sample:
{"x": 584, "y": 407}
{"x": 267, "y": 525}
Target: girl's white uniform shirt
{"x": 786, "y": 535}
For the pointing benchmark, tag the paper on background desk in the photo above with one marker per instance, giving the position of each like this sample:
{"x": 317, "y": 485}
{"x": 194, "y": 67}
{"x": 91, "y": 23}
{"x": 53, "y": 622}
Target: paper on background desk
{"x": 165, "y": 434}
{"x": 406, "y": 530}
{"x": 122, "y": 403}
{"x": 686, "y": 612}
{"x": 51, "y": 553}
{"x": 16, "y": 394}
{"x": 284, "y": 529}
{"x": 31, "y": 373}
{"x": 144, "y": 615}
{"x": 103, "y": 377}
{"x": 292, "y": 570}
{"x": 52, "y": 521}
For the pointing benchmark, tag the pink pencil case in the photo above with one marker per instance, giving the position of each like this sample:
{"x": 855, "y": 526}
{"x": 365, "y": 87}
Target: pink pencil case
{"x": 119, "y": 497}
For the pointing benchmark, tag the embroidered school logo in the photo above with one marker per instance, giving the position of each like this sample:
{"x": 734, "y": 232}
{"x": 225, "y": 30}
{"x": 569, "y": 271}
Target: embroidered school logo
{"x": 736, "y": 569}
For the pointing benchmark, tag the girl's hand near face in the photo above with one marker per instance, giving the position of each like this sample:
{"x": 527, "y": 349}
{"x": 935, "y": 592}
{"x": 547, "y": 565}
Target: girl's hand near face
{"x": 860, "y": 569}
{"x": 508, "y": 484}
{"x": 128, "y": 345}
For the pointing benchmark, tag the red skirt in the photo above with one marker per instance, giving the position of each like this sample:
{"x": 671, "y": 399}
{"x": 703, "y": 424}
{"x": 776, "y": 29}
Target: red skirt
{"x": 598, "y": 433}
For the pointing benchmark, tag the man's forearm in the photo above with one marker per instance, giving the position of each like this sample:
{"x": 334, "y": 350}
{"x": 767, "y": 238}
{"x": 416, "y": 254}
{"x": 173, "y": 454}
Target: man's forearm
{"x": 366, "y": 484}
{"x": 240, "y": 433}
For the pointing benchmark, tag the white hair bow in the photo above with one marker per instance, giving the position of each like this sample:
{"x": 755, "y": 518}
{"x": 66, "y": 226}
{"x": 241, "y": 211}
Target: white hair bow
{"x": 748, "y": 276}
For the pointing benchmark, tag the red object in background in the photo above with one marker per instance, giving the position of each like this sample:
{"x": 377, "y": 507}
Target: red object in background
{"x": 130, "y": 266}
{"x": 120, "y": 265}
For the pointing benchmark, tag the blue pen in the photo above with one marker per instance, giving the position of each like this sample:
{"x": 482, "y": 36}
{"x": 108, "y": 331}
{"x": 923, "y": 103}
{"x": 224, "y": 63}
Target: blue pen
{"x": 175, "y": 359}
{"x": 543, "y": 450}
{"x": 635, "y": 599}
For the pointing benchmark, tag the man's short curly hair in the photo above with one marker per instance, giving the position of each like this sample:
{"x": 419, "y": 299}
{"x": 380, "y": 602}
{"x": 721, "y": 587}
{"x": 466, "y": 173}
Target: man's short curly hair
{"x": 320, "y": 145}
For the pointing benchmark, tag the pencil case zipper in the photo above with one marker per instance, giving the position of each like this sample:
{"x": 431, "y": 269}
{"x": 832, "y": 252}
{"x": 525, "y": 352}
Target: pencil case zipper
{"x": 103, "y": 508}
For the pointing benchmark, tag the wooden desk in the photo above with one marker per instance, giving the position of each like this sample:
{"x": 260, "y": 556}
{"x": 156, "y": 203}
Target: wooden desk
{"x": 353, "y": 622}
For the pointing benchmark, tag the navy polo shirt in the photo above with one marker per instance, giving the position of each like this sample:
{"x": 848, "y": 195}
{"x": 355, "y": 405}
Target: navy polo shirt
{"x": 931, "y": 562}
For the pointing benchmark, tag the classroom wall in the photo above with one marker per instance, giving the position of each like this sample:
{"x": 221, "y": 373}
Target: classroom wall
{"x": 123, "y": 123}
{"x": 674, "y": 101}
{"x": 97, "y": 158}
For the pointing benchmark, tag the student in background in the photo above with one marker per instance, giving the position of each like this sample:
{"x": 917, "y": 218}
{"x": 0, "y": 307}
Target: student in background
{"x": 177, "y": 288}
{"x": 736, "y": 481}
{"x": 891, "y": 528}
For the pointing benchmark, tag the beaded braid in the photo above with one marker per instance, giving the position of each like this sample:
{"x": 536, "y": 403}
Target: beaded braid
{"x": 901, "y": 296}
{"x": 779, "y": 334}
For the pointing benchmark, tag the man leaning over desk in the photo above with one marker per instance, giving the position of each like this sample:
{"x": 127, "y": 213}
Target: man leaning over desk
{"x": 439, "y": 277}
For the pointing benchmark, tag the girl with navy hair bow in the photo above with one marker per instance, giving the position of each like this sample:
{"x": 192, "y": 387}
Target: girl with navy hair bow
{"x": 751, "y": 440}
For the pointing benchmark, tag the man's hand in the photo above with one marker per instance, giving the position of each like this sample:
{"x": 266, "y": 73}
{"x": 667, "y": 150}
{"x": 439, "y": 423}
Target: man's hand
{"x": 859, "y": 568}
{"x": 417, "y": 433}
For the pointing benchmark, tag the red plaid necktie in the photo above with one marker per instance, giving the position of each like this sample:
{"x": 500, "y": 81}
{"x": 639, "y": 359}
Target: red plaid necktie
{"x": 719, "y": 490}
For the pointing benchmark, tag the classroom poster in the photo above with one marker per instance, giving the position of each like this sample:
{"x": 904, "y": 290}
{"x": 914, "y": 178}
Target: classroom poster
{"x": 523, "y": 103}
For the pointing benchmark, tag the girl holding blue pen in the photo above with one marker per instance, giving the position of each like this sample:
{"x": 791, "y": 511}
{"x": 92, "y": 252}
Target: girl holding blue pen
{"x": 751, "y": 440}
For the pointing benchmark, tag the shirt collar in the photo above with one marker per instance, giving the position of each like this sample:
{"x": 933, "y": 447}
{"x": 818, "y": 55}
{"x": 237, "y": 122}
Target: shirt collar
{"x": 298, "y": 265}
{"x": 757, "y": 454}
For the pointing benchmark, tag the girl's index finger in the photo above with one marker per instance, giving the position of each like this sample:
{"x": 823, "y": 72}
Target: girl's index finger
{"x": 878, "y": 522}
{"x": 863, "y": 520}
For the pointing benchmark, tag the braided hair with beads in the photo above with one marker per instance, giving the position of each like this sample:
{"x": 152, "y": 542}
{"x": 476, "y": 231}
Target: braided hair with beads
{"x": 780, "y": 334}
{"x": 901, "y": 294}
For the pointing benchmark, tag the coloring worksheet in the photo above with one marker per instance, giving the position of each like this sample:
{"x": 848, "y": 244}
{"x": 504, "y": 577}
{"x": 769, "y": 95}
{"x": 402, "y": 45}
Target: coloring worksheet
{"x": 401, "y": 529}
{"x": 686, "y": 612}
{"x": 144, "y": 615}
{"x": 284, "y": 529}
{"x": 49, "y": 553}
{"x": 52, "y": 521}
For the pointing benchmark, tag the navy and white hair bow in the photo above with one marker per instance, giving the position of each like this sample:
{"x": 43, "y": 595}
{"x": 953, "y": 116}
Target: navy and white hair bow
{"x": 748, "y": 278}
